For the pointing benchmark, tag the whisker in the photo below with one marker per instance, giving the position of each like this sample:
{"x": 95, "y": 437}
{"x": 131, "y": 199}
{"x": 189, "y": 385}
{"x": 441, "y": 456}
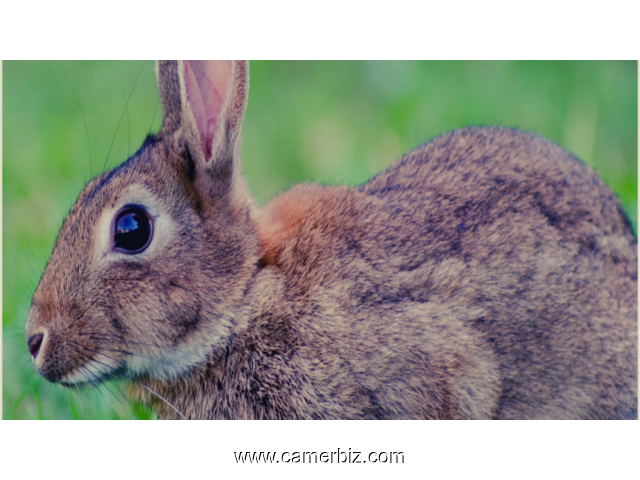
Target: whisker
{"x": 14, "y": 332}
{"x": 101, "y": 352}
{"x": 79, "y": 162}
{"x": 95, "y": 360}
{"x": 94, "y": 380}
{"x": 22, "y": 356}
{"x": 70, "y": 199}
{"x": 154, "y": 115}
{"x": 88, "y": 307}
{"x": 121, "y": 116}
{"x": 118, "y": 340}
{"x": 128, "y": 123}
{"x": 35, "y": 272}
{"x": 125, "y": 352}
{"x": 82, "y": 114}
{"x": 119, "y": 401}
{"x": 161, "y": 398}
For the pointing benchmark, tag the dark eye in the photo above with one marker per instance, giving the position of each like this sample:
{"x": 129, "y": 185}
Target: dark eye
{"x": 132, "y": 230}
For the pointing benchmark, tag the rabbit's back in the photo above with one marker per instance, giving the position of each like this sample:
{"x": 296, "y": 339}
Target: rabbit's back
{"x": 539, "y": 252}
{"x": 487, "y": 273}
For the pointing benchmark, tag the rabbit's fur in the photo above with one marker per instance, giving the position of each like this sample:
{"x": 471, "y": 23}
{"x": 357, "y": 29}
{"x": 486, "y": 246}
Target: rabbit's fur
{"x": 487, "y": 274}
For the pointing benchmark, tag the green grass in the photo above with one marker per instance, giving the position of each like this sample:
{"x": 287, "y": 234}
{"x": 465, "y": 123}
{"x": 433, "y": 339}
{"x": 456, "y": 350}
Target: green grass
{"x": 320, "y": 121}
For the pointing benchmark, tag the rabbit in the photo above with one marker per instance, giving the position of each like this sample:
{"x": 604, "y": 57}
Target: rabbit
{"x": 488, "y": 274}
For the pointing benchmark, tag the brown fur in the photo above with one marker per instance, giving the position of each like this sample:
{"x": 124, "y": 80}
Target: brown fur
{"x": 487, "y": 274}
{"x": 285, "y": 215}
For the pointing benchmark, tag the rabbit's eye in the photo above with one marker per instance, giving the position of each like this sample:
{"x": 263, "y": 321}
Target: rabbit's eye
{"x": 132, "y": 230}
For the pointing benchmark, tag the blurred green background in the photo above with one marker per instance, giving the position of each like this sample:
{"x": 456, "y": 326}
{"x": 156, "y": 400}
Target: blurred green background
{"x": 322, "y": 121}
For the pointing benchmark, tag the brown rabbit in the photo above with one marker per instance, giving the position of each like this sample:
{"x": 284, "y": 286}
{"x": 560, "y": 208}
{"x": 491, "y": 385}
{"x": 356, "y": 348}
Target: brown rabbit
{"x": 487, "y": 274}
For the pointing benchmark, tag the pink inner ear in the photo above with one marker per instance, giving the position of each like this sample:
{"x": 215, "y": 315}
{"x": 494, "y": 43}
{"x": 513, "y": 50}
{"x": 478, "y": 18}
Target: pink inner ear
{"x": 208, "y": 86}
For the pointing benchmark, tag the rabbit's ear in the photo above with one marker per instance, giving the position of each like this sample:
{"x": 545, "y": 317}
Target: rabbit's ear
{"x": 207, "y": 99}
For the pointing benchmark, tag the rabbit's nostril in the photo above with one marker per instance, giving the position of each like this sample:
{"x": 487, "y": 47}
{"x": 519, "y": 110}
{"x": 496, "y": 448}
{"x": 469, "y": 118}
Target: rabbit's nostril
{"x": 34, "y": 343}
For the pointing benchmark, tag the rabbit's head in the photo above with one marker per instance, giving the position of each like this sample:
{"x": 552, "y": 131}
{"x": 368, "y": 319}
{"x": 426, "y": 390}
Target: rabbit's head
{"x": 153, "y": 259}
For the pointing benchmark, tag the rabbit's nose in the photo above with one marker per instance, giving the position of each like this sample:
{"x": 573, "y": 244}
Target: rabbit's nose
{"x": 34, "y": 343}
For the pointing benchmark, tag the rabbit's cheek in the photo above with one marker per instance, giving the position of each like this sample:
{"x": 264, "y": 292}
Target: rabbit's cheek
{"x": 181, "y": 338}
{"x": 174, "y": 356}
{"x": 153, "y": 330}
